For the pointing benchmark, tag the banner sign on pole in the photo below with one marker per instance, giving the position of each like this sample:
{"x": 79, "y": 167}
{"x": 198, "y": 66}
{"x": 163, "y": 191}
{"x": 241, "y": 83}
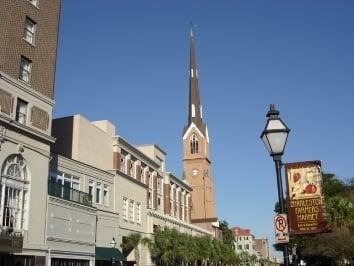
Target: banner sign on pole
{"x": 281, "y": 228}
{"x": 306, "y": 205}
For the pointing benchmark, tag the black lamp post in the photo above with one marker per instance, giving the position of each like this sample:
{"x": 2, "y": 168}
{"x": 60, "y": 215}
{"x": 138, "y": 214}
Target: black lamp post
{"x": 274, "y": 136}
{"x": 113, "y": 244}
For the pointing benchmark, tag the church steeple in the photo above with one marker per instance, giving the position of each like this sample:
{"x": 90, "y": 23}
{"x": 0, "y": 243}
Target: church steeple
{"x": 196, "y": 161}
{"x": 195, "y": 108}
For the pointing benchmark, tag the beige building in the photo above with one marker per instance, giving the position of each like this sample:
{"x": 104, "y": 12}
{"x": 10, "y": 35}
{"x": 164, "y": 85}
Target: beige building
{"x": 141, "y": 194}
{"x": 262, "y": 247}
{"x": 74, "y": 216}
{"x": 28, "y": 42}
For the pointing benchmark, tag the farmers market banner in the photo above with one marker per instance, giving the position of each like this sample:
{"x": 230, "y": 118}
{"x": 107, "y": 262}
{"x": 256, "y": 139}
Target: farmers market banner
{"x": 306, "y": 205}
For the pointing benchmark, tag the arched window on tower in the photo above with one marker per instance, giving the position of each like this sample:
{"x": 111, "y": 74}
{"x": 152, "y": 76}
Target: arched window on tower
{"x": 194, "y": 144}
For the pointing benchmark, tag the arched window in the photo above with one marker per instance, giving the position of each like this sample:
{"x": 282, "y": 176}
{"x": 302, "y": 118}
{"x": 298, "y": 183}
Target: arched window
{"x": 194, "y": 144}
{"x": 14, "y": 192}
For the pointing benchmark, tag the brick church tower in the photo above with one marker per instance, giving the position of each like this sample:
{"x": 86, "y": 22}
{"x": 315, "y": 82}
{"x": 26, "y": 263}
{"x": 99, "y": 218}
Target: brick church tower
{"x": 196, "y": 162}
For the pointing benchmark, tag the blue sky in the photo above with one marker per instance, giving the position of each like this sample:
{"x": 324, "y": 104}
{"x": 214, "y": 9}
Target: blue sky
{"x": 127, "y": 62}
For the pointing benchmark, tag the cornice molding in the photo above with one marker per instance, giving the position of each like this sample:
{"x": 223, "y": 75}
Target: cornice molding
{"x": 178, "y": 222}
{"x": 136, "y": 152}
{"x": 22, "y": 86}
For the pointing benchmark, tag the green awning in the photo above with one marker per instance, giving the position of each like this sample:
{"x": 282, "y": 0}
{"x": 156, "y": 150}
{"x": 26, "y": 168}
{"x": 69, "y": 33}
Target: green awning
{"x": 106, "y": 254}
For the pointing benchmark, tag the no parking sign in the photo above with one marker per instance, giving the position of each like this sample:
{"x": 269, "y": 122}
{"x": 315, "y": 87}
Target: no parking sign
{"x": 281, "y": 228}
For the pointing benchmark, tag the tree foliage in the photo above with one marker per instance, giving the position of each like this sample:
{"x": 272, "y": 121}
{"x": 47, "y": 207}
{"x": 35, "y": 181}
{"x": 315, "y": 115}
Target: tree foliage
{"x": 227, "y": 236}
{"x": 338, "y": 245}
{"x": 171, "y": 246}
{"x": 132, "y": 242}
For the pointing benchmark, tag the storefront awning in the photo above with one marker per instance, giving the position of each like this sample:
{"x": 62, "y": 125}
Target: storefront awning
{"x": 106, "y": 254}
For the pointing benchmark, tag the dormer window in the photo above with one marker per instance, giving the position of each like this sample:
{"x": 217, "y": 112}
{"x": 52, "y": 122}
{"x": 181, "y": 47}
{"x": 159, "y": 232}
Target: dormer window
{"x": 194, "y": 144}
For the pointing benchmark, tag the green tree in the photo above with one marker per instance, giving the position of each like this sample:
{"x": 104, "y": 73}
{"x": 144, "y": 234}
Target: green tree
{"x": 227, "y": 236}
{"x": 171, "y": 246}
{"x": 340, "y": 212}
{"x": 338, "y": 245}
{"x": 132, "y": 242}
{"x": 244, "y": 257}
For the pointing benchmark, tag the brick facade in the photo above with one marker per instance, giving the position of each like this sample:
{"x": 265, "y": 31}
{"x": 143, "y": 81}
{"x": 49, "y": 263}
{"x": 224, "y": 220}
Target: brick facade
{"x": 42, "y": 53}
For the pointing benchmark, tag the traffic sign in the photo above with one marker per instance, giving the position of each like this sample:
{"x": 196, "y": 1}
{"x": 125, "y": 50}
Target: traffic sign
{"x": 281, "y": 228}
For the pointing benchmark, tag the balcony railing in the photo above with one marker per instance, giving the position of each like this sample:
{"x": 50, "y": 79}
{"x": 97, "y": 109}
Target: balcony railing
{"x": 58, "y": 190}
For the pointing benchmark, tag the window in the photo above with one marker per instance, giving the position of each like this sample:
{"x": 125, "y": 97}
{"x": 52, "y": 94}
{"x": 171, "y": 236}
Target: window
{"x": 91, "y": 185}
{"x": 171, "y": 192}
{"x": 98, "y": 193}
{"x": 159, "y": 185}
{"x": 150, "y": 180}
{"x": 66, "y": 180}
{"x": 125, "y": 208}
{"x": 132, "y": 169}
{"x": 138, "y": 213}
{"x": 194, "y": 144}
{"x": 34, "y": 2}
{"x": 247, "y": 246}
{"x": 149, "y": 198}
{"x": 122, "y": 164}
{"x": 14, "y": 193}
{"x": 21, "y": 111}
{"x": 240, "y": 247}
{"x": 142, "y": 174}
{"x": 183, "y": 217}
{"x": 30, "y": 30}
{"x": 131, "y": 210}
{"x": 105, "y": 195}
{"x": 25, "y": 69}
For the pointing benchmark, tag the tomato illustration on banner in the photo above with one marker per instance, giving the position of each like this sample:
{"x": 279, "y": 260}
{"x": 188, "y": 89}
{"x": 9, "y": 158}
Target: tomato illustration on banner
{"x": 306, "y": 204}
{"x": 281, "y": 228}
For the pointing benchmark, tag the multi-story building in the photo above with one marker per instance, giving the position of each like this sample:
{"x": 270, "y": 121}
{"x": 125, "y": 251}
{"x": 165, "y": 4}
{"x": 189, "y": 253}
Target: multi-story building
{"x": 28, "y": 43}
{"x": 71, "y": 188}
{"x": 262, "y": 248}
{"x": 244, "y": 241}
{"x": 128, "y": 186}
{"x": 74, "y": 216}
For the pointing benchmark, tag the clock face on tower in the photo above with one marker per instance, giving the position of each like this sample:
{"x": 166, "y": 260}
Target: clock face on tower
{"x": 194, "y": 172}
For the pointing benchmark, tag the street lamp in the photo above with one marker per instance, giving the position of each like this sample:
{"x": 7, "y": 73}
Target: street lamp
{"x": 113, "y": 244}
{"x": 274, "y": 136}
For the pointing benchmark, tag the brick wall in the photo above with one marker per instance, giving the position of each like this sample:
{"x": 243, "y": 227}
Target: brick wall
{"x": 13, "y": 15}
